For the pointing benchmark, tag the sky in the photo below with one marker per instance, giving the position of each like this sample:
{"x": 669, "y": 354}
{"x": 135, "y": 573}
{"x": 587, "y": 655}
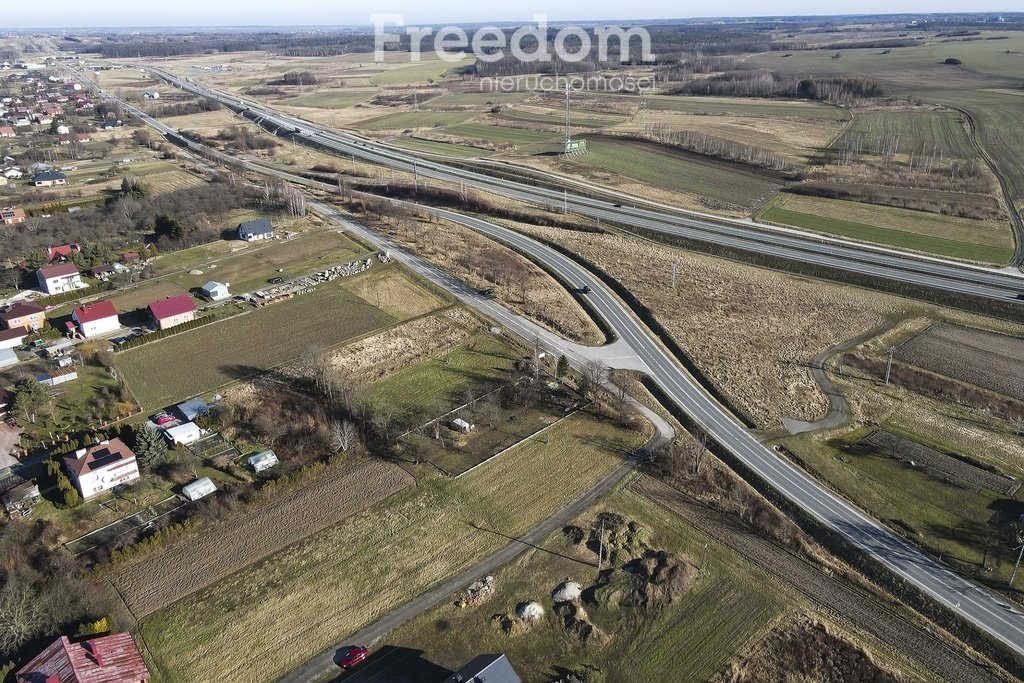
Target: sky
{"x": 84, "y": 13}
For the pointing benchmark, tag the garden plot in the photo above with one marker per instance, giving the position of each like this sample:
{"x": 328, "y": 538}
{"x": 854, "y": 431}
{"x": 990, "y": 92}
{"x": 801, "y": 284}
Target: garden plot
{"x": 985, "y": 359}
{"x": 109, "y": 535}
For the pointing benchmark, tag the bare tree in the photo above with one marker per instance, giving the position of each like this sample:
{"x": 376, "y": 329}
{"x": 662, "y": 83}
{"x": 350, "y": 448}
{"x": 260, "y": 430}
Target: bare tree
{"x": 128, "y": 207}
{"x": 700, "y": 438}
{"x": 21, "y": 615}
{"x": 343, "y": 435}
{"x": 595, "y": 374}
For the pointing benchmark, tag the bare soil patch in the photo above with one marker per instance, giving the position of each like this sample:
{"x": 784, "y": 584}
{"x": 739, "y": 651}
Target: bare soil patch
{"x": 394, "y": 293}
{"x": 200, "y": 561}
{"x": 985, "y": 359}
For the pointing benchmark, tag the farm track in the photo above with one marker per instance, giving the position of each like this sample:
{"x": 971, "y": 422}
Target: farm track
{"x": 848, "y": 604}
{"x": 199, "y": 561}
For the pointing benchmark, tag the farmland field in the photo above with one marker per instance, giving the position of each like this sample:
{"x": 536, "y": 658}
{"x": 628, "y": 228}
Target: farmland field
{"x": 428, "y": 70}
{"x": 296, "y": 603}
{"x": 691, "y": 639}
{"x": 436, "y": 147}
{"x": 201, "y": 560}
{"x": 917, "y": 131}
{"x": 415, "y": 119}
{"x": 391, "y": 289}
{"x": 553, "y": 117}
{"x": 476, "y": 99}
{"x": 675, "y": 171}
{"x": 143, "y": 295}
{"x": 744, "y": 107}
{"x": 500, "y": 134}
{"x": 905, "y": 228}
{"x": 249, "y": 269}
{"x": 328, "y": 99}
{"x": 985, "y": 359}
{"x": 245, "y": 345}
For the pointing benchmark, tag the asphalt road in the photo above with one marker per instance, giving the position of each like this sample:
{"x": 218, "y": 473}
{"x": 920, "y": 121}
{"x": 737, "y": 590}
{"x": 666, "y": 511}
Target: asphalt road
{"x": 636, "y": 348}
{"x": 791, "y": 244}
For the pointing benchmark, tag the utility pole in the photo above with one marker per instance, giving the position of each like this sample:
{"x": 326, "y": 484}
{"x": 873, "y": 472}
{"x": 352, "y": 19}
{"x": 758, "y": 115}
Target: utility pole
{"x": 600, "y": 546}
{"x": 565, "y": 202}
{"x": 888, "y": 365}
{"x": 675, "y": 265}
{"x": 1014, "y": 574}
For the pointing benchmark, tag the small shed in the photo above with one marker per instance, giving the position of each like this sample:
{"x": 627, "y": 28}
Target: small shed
{"x": 20, "y": 498}
{"x": 192, "y": 408}
{"x": 462, "y": 426}
{"x": 183, "y": 434}
{"x": 263, "y": 460}
{"x": 215, "y": 291}
{"x": 8, "y": 358}
{"x": 198, "y": 489}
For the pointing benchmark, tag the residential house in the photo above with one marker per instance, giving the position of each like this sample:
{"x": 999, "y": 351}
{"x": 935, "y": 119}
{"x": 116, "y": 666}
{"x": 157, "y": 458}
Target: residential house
{"x": 111, "y": 124}
{"x": 62, "y": 253}
{"x": 101, "y": 467}
{"x": 215, "y": 291}
{"x": 491, "y": 668}
{"x": 74, "y": 137}
{"x": 101, "y": 272}
{"x": 60, "y": 278}
{"x": 11, "y": 215}
{"x": 23, "y": 314}
{"x": 49, "y": 179}
{"x": 7, "y": 132}
{"x": 103, "y": 659}
{"x": 13, "y": 337}
{"x": 72, "y": 87}
{"x": 256, "y": 229}
{"x": 96, "y": 318}
{"x": 199, "y": 489}
{"x": 13, "y": 173}
{"x": 131, "y": 257}
{"x": 20, "y": 498}
{"x": 174, "y": 310}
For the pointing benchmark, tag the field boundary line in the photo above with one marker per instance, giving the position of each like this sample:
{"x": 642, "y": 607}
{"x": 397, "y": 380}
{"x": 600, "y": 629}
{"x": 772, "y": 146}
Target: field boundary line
{"x": 521, "y": 441}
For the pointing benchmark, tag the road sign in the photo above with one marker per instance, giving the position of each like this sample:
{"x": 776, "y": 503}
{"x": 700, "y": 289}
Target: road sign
{"x": 575, "y": 147}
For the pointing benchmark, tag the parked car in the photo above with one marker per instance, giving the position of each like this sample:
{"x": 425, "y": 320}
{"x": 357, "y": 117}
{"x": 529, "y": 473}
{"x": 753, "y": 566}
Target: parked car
{"x": 163, "y": 419}
{"x": 352, "y": 655}
{"x": 276, "y": 280}
{"x": 119, "y": 340}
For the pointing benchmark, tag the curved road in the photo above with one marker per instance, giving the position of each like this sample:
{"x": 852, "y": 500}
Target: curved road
{"x": 635, "y": 348}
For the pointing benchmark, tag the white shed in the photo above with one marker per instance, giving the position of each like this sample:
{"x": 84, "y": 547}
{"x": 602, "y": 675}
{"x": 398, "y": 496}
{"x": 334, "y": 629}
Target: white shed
{"x": 263, "y": 460}
{"x": 215, "y": 291}
{"x": 462, "y": 426}
{"x": 198, "y": 489}
{"x": 184, "y": 434}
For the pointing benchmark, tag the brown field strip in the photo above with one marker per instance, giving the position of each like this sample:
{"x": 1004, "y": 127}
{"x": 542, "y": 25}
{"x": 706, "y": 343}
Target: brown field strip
{"x": 199, "y": 561}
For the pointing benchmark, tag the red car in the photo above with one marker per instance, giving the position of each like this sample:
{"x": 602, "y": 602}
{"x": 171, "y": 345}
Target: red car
{"x": 163, "y": 418}
{"x": 352, "y": 655}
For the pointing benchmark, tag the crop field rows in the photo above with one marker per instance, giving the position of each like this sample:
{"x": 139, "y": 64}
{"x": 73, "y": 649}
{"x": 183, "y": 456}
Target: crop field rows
{"x": 912, "y": 132}
{"x": 201, "y": 560}
{"x": 985, "y": 359}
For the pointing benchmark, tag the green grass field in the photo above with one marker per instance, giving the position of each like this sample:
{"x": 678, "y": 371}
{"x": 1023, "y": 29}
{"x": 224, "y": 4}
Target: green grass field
{"x": 917, "y": 131}
{"x": 263, "y": 621}
{"x": 948, "y": 520}
{"x": 415, "y": 119}
{"x": 689, "y": 104}
{"x": 436, "y": 147}
{"x": 670, "y": 170}
{"x": 329, "y": 99}
{"x": 169, "y": 370}
{"x": 554, "y": 118}
{"x": 476, "y": 99}
{"x": 502, "y": 134}
{"x": 484, "y": 361}
{"x": 918, "y": 230}
{"x": 249, "y": 269}
{"x": 418, "y": 73}
{"x": 690, "y": 640}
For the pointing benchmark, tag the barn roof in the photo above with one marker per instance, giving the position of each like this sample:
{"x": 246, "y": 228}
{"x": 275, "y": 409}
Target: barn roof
{"x": 106, "y": 659}
{"x": 172, "y": 306}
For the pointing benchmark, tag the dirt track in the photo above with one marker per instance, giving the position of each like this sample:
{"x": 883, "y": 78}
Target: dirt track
{"x": 198, "y": 561}
{"x": 848, "y": 604}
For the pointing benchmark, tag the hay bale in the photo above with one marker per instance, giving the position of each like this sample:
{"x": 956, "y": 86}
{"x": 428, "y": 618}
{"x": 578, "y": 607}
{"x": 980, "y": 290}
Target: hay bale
{"x": 568, "y": 591}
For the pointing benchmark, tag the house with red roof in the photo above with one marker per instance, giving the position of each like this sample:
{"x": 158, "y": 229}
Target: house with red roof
{"x": 60, "y": 278}
{"x": 174, "y": 310}
{"x": 7, "y": 132}
{"x": 63, "y": 252}
{"x": 104, "y": 659}
{"x": 96, "y": 318}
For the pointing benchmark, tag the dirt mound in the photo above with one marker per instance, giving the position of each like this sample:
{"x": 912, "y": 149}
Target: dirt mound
{"x": 568, "y": 591}
{"x": 806, "y": 651}
{"x": 574, "y": 534}
{"x": 660, "y": 578}
{"x": 578, "y": 624}
{"x": 616, "y": 538}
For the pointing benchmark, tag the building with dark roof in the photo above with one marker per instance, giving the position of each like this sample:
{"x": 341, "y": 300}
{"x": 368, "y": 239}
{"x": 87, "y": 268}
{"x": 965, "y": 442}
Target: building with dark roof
{"x": 49, "y": 179}
{"x": 486, "y": 669}
{"x": 256, "y": 229}
{"x": 23, "y": 314}
{"x": 104, "y": 659}
{"x": 101, "y": 467}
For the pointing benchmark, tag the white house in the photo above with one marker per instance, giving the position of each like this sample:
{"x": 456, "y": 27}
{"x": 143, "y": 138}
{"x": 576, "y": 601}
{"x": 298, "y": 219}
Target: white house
{"x": 63, "y": 277}
{"x": 263, "y": 460}
{"x": 12, "y": 337}
{"x": 256, "y": 229}
{"x": 183, "y": 434}
{"x": 101, "y": 467}
{"x": 13, "y": 173}
{"x": 198, "y": 489}
{"x": 215, "y": 291}
{"x": 96, "y": 318}
{"x": 63, "y": 129}
{"x": 49, "y": 179}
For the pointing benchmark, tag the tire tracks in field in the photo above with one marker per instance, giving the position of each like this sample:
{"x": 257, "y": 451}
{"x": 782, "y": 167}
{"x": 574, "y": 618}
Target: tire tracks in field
{"x": 856, "y": 607}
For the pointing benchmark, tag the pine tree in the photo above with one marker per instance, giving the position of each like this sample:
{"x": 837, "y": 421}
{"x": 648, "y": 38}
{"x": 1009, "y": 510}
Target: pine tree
{"x": 562, "y": 367}
{"x": 150, "y": 447}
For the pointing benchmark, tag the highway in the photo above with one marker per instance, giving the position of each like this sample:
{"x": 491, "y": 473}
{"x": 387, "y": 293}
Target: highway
{"x": 636, "y": 348}
{"x": 818, "y": 250}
